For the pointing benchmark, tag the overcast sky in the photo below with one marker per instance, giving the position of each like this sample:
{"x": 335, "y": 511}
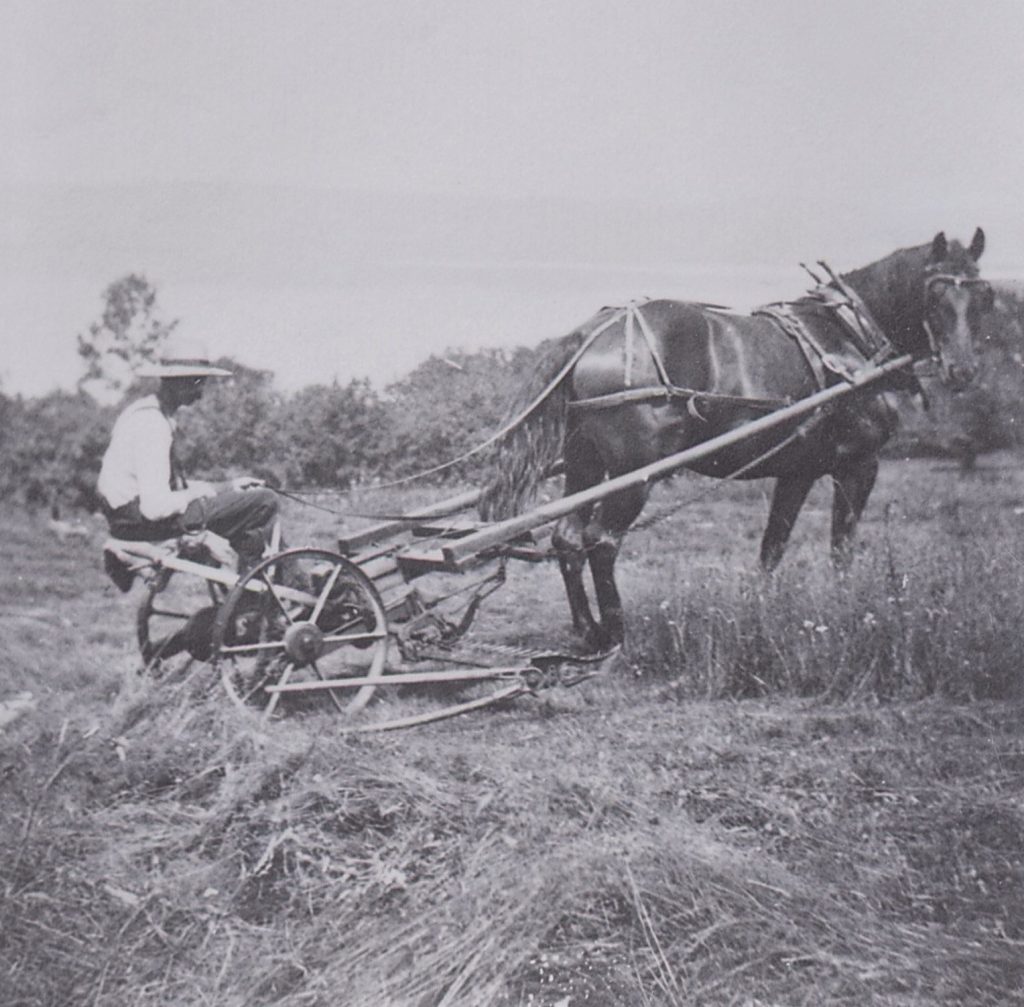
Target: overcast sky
{"x": 339, "y": 189}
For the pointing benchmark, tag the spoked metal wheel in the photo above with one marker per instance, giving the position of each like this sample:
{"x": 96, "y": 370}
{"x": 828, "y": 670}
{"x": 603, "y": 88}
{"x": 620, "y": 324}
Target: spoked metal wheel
{"x": 300, "y": 618}
{"x": 175, "y": 619}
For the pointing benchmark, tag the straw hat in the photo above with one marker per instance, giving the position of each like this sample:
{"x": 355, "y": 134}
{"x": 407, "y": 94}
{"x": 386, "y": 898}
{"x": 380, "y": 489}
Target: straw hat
{"x": 182, "y": 358}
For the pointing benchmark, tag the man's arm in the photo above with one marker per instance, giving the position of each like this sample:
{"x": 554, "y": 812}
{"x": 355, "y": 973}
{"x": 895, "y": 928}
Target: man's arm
{"x": 152, "y": 451}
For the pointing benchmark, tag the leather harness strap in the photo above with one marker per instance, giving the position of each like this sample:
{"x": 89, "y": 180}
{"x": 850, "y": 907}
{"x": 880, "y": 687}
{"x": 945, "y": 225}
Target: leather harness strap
{"x": 793, "y": 326}
{"x": 666, "y": 391}
{"x": 955, "y": 281}
{"x": 854, "y": 314}
{"x": 669, "y": 394}
{"x": 652, "y": 345}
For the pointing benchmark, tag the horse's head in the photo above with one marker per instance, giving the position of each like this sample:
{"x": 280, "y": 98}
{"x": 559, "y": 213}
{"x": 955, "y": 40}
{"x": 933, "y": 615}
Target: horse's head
{"x": 955, "y": 298}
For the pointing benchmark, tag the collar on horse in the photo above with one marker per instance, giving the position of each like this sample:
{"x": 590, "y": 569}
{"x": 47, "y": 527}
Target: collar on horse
{"x": 865, "y": 334}
{"x": 850, "y": 309}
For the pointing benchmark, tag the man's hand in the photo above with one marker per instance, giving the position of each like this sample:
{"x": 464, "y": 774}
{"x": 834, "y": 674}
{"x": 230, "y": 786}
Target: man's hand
{"x": 247, "y": 483}
{"x": 197, "y": 489}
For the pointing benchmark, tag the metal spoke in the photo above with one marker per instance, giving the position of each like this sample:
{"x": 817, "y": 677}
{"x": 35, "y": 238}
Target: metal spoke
{"x": 277, "y": 601}
{"x": 330, "y": 692}
{"x": 325, "y": 594}
{"x": 276, "y": 696}
{"x": 356, "y": 637}
{"x": 248, "y": 648}
{"x": 353, "y": 623}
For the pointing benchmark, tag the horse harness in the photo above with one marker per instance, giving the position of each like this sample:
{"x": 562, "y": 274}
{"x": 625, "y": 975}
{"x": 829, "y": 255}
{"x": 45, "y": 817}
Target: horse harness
{"x": 865, "y": 333}
{"x": 665, "y": 390}
{"x": 937, "y": 280}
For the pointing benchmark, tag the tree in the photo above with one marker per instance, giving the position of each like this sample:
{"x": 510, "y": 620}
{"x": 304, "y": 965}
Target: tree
{"x": 233, "y": 428}
{"x": 51, "y": 448}
{"x": 331, "y": 435}
{"x": 449, "y": 404}
{"x": 128, "y": 333}
{"x": 988, "y": 415}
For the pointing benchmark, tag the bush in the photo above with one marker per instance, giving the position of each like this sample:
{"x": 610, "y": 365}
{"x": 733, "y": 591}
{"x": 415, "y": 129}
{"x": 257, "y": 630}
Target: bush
{"x": 51, "y": 449}
{"x": 330, "y": 435}
{"x": 233, "y": 428}
{"x": 987, "y": 416}
{"x": 448, "y": 405}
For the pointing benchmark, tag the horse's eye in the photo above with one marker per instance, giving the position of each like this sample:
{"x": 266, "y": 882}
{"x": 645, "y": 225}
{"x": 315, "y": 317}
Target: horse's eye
{"x": 938, "y": 286}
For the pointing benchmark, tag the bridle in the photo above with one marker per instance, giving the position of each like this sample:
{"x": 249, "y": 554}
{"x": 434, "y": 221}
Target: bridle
{"x": 947, "y": 280}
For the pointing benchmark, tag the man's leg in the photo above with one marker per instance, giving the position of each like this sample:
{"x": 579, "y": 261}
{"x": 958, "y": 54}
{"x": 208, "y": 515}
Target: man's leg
{"x": 128, "y": 523}
{"x": 244, "y": 517}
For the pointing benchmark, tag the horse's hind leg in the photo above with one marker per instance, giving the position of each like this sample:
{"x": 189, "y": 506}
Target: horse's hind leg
{"x": 603, "y": 538}
{"x": 852, "y": 486}
{"x": 789, "y": 496}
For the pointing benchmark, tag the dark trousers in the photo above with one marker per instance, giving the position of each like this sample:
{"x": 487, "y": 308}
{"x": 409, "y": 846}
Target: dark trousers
{"x": 244, "y": 517}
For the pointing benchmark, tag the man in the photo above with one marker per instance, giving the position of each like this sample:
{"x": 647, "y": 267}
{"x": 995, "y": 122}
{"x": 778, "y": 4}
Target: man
{"x": 144, "y": 493}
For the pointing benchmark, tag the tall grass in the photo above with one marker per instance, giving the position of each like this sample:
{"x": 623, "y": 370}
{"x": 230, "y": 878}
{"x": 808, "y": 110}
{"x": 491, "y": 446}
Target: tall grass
{"x": 932, "y": 605}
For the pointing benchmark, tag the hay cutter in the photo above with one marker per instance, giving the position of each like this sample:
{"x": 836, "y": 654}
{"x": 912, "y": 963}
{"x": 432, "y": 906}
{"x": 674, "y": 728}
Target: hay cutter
{"x": 347, "y": 622}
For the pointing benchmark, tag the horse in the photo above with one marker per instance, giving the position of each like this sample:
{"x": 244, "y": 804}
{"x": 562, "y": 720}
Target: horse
{"x": 636, "y": 384}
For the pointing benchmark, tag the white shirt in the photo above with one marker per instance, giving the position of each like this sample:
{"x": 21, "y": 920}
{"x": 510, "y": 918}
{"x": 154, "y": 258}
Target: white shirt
{"x": 138, "y": 462}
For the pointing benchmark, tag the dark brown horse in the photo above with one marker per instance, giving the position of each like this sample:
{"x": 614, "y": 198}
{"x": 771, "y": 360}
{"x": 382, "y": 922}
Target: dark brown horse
{"x": 636, "y": 384}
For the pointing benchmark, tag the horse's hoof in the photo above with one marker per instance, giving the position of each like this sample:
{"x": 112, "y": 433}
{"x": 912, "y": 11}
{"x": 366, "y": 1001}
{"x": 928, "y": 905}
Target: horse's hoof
{"x": 590, "y": 640}
{"x": 601, "y": 641}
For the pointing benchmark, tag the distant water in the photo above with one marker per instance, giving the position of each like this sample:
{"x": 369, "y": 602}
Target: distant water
{"x": 376, "y": 320}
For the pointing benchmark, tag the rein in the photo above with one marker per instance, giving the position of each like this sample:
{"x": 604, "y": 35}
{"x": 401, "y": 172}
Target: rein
{"x": 299, "y": 498}
{"x": 522, "y": 416}
{"x": 290, "y": 495}
{"x": 839, "y": 297}
{"x": 374, "y": 516}
{"x": 799, "y": 433}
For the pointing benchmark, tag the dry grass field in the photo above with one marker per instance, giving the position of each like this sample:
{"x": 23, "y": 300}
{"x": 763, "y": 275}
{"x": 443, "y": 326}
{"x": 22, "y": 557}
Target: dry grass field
{"x": 802, "y": 790}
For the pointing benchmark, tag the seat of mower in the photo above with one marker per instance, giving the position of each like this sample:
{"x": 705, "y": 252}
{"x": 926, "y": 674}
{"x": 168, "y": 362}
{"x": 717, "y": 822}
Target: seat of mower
{"x": 124, "y": 558}
{"x": 131, "y": 551}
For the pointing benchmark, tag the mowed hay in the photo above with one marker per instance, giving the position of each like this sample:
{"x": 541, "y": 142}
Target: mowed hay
{"x": 842, "y": 827}
{"x": 611, "y": 855}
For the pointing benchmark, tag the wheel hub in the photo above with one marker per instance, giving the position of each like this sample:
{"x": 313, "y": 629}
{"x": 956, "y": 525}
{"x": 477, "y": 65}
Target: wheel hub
{"x": 303, "y": 642}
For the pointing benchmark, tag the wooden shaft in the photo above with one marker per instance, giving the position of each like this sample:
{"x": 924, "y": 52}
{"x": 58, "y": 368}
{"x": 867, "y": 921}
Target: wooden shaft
{"x": 497, "y": 534}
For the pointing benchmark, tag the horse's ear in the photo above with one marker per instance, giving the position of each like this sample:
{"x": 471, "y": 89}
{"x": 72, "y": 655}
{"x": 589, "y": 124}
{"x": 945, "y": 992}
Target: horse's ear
{"x": 977, "y": 244}
{"x": 939, "y": 247}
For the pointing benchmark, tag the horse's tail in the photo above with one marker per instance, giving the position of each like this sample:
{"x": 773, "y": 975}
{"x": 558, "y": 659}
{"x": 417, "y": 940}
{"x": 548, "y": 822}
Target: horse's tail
{"x": 528, "y": 452}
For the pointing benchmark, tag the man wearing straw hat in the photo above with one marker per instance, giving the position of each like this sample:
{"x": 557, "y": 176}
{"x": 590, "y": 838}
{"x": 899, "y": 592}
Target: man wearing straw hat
{"x": 144, "y": 493}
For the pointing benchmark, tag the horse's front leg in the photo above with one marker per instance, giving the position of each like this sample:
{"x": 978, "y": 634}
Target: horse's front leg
{"x": 852, "y": 486}
{"x": 567, "y": 541}
{"x": 789, "y": 496}
{"x": 603, "y": 539}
